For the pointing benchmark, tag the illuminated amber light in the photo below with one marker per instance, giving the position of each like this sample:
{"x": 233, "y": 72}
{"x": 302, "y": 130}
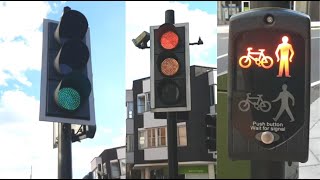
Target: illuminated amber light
{"x": 259, "y": 58}
{"x": 285, "y": 48}
{"x": 169, "y": 40}
{"x": 169, "y": 66}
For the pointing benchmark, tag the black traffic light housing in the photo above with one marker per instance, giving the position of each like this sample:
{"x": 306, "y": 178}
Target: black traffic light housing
{"x": 269, "y": 85}
{"x": 66, "y": 79}
{"x": 210, "y": 124}
{"x": 170, "y": 69}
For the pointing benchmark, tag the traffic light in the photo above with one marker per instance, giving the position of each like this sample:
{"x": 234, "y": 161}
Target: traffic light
{"x": 269, "y": 85}
{"x": 66, "y": 80}
{"x": 210, "y": 122}
{"x": 170, "y": 71}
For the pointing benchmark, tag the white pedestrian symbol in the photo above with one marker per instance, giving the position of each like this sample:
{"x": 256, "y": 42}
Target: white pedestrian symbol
{"x": 284, "y": 97}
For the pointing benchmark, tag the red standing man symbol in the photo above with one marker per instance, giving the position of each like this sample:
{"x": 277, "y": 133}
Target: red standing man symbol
{"x": 285, "y": 49}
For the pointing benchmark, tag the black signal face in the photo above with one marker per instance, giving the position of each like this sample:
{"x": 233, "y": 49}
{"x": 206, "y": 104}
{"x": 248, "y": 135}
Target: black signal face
{"x": 69, "y": 85}
{"x": 169, "y": 70}
{"x": 269, "y": 85}
{"x": 267, "y": 91}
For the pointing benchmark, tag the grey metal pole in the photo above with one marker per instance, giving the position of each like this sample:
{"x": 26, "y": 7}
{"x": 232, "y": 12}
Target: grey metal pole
{"x": 64, "y": 152}
{"x": 268, "y": 169}
{"x": 172, "y": 145}
{"x": 172, "y": 125}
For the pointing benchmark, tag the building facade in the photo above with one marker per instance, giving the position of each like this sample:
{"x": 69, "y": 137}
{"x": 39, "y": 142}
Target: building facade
{"x": 228, "y": 8}
{"x": 147, "y": 153}
{"x": 110, "y": 164}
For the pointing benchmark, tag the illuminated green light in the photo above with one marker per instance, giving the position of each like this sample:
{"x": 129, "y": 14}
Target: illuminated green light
{"x": 68, "y": 99}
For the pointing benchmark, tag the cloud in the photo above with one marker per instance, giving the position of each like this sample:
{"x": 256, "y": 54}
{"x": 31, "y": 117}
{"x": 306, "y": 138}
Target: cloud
{"x": 141, "y": 15}
{"x": 21, "y": 39}
{"x": 26, "y": 141}
{"x": 15, "y": 106}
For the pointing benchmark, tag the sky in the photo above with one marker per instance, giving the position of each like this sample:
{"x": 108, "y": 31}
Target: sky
{"x": 202, "y": 19}
{"x": 26, "y": 141}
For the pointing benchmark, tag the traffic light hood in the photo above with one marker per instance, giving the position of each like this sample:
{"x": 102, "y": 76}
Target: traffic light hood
{"x": 73, "y": 25}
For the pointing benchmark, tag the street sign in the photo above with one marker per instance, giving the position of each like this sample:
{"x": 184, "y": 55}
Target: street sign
{"x": 269, "y": 85}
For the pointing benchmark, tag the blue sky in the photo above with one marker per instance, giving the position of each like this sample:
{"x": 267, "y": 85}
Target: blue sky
{"x": 112, "y": 26}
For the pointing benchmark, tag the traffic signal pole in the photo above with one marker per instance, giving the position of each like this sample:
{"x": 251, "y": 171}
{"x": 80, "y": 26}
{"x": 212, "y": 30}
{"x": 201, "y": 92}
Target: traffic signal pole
{"x": 64, "y": 152}
{"x": 268, "y": 169}
{"x": 64, "y": 145}
{"x": 172, "y": 145}
{"x": 172, "y": 125}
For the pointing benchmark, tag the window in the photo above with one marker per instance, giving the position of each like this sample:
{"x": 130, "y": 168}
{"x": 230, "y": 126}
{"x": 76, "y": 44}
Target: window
{"x": 130, "y": 110}
{"x": 130, "y": 143}
{"x": 141, "y": 103}
{"x": 162, "y": 136}
{"x": 95, "y": 174}
{"x": 142, "y": 139}
{"x": 147, "y": 105}
{"x": 151, "y": 138}
{"x": 212, "y": 97}
{"x": 182, "y": 135}
{"x": 123, "y": 166}
{"x": 115, "y": 171}
{"x": 105, "y": 172}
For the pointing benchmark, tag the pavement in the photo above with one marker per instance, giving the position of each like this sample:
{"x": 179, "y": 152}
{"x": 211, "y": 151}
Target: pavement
{"x": 311, "y": 169}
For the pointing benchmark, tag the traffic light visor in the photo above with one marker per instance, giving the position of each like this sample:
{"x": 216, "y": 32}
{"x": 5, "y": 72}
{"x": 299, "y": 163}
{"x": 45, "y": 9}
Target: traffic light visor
{"x": 73, "y": 55}
{"x": 169, "y": 38}
{"x": 73, "y": 25}
{"x": 71, "y": 91}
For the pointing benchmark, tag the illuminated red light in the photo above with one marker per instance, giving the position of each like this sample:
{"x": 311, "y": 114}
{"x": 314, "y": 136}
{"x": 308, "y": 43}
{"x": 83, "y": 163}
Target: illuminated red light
{"x": 169, "y": 66}
{"x": 284, "y": 54}
{"x": 169, "y": 40}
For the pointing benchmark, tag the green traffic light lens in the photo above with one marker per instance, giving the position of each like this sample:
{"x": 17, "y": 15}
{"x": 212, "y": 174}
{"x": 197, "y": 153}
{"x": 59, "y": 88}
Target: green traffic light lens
{"x": 69, "y": 99}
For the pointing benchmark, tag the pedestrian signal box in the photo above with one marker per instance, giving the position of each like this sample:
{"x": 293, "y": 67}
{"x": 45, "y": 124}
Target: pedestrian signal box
{"x": 269, "y": 85}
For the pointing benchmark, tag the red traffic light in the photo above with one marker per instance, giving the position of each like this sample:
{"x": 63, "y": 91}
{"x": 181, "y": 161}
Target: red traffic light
{"x": 169, "y": 40}
{"x": 168, "y": 36}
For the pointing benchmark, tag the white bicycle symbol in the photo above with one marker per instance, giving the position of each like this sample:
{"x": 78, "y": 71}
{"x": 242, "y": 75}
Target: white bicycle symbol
{"x": 257, "y": 103}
